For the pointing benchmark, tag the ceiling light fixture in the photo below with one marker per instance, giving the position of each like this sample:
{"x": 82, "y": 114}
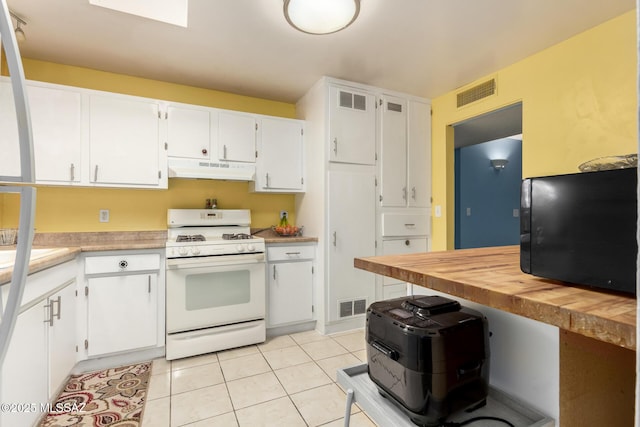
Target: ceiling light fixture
{"x": 321, "y": 16}
{"x": 20, "y": 36}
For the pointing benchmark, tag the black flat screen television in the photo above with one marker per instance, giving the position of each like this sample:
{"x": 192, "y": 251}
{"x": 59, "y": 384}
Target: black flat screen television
{"x": 581, "y": 228}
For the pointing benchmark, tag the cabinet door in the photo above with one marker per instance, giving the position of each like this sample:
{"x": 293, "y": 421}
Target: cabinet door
{"x": 393, "y": 156}
{"x": 188, "y": 132}
{"x": 124, "y": 141}
{"x": 280, "y": 157}
{"x": 352, "y": 119}
{"x": 62, "y": 337}
{"x": 400, "y": 247}
{"x": 419, "y": 160}
{"x": 236, "y": 137}
{"x": 351, "y": 234}
{"x": 290, "y": 292}
{"x": 122, "y": 313}
{"x": 56, "y": 130}
{"x": 24, "y": 372}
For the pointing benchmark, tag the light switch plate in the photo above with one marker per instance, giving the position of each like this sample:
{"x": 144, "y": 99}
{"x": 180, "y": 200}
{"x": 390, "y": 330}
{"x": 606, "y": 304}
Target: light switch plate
{"x": 104, "y": 215}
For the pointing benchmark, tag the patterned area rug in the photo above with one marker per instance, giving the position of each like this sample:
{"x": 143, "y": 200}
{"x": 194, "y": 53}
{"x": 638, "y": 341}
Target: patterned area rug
{"x": 114, "y": 397}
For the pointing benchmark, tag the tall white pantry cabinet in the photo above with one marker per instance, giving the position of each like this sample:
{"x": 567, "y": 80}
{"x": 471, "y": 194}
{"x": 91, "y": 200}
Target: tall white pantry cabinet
{"x": 363, "y": 165}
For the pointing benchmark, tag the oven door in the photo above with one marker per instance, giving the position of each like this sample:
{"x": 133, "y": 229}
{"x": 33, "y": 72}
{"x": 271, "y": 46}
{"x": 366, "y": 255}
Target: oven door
{"x": 213, "y": 291}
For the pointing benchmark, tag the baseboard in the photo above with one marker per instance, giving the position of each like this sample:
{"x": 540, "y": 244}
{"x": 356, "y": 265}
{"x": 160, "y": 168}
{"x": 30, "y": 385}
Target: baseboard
{"x": 115, "y": 360}
{"x": 291, "y": 329}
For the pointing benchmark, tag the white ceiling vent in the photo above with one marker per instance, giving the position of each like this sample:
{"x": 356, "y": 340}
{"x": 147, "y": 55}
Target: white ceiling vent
{"x": 477, "y": 93}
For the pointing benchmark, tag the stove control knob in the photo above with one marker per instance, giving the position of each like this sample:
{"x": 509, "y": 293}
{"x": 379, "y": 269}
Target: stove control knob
{"x": 251, "y": 248}
{"x": 182, "y": 251}
{"x": 240, "y": 248}
{"x": 195, "y": 251}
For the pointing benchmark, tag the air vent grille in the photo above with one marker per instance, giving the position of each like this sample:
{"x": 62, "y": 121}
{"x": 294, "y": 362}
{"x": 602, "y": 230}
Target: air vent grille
{"x": 359, "y": 306}
{"x": 352, "y": 100}
{"x": 477, "y": 92}
{"x": 346, "y": 309}
{"x": 349, "y": 308}
{"x": 392, "y": 106}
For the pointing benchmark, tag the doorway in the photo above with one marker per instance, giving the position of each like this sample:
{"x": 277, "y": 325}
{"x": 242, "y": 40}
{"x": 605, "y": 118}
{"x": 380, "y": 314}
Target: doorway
{"x": 488, "y": 172}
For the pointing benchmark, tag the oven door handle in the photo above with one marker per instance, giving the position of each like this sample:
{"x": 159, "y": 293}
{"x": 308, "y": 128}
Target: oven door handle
{"x": 214, "y": 261}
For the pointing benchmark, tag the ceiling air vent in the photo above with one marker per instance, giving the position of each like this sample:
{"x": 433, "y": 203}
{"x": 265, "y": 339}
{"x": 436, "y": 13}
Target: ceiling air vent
{"x": 477, "y": 92}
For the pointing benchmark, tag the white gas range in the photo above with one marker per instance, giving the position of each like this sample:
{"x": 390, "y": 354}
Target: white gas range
{"x": 215, "y": 282}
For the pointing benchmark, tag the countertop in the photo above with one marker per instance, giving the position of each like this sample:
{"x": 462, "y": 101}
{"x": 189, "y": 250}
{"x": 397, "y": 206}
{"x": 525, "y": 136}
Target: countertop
{"x": 270, "y": 236}
{"x": 66, "y": 246}
{"x": 492, "y": 277}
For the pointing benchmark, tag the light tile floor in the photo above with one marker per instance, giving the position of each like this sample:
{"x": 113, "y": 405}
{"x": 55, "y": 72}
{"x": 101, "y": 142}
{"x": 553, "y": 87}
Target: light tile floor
{"x": 289, "y": 380}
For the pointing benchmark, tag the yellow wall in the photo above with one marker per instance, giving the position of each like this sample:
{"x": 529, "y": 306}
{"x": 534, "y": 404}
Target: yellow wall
{"x": 62, "y": 209}
{"x": 579, "y": 103}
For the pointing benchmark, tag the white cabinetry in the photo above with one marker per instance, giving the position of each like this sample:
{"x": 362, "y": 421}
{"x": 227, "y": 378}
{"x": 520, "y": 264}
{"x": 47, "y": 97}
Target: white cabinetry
{"x": 124, "y": 141}
{"x": 124, "y": 300}
{"x": 280, "y": 162}
{"x": 290, "y": 284}
{"x": 349, "y": 147}
{"x": 405, "y": 178}
{"x": 237, "y": 137}
{"x": 352, "y": 234}
{"x": 393, "y": 288}
{"x": 56, "y": 126}
{"x": 352, "y": 123}
{"x": 42, "y": 350}
{"x": 188, "y": 132}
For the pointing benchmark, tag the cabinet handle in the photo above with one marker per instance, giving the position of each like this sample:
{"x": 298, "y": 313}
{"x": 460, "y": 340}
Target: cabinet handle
{"x": 50, "y": 312}
{"x": 224, "y": 152}
{"x": 149, "y": 284}
{"x": 410, "y": 225}
{"x": 407, "y": 242}
{"x": 274, "y": 272}
{"x": 404, "y": 193}
{"x": 73, "y": 170}
{"x": 123, "y": 263}
{"x": 204, "y": 151}
{"x": 335, "y": 146}
{"x": 413, "y": 193}
{"x": 334, "y": 238}
{"x": 95, "y": 175}
{"x": 59, "y": 302}
{"x": 292, "y": 253}
{"x": 266, "y": 178}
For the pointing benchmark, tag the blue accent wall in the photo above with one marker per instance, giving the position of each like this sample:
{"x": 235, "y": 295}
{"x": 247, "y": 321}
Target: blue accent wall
{"x": 486, "y": 197}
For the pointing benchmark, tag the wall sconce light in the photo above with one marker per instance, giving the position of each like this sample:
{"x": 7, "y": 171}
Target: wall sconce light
{"x": 499, "y": 164}
{"x": 20, "y": 36}
{"x": 321, "y": 16}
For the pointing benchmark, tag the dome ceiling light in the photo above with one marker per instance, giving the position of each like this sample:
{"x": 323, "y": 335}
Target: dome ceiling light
{"x": 321, "y": 16}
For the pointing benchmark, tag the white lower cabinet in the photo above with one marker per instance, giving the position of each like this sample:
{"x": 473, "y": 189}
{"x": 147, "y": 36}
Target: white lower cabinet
{"x": 42, "y": 350}
{"x": 290, "y": 284}
{"x": 124, "y": 302}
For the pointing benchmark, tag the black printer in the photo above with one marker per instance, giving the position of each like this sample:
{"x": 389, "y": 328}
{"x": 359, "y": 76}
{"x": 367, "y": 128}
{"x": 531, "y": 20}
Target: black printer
{"x": 428, "y": 355}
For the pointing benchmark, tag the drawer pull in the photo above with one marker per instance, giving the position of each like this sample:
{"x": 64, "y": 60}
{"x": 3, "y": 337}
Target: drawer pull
{"x": 123, "y": 264}
{"x": 292, "y": 253}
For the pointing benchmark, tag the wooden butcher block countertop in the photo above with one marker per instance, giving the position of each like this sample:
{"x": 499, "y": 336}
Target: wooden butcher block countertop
{"x": 492, "y": 277}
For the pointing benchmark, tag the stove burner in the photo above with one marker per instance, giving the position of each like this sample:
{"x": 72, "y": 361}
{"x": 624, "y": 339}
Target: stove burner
{"x": 190, "y": 238}
{"x": 238, "y": 236}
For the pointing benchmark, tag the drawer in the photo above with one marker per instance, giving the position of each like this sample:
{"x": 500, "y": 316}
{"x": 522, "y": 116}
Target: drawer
{"x": 121, "y": 263}
{"x": 397, "y": 224}
{"x": 290, "y": 253}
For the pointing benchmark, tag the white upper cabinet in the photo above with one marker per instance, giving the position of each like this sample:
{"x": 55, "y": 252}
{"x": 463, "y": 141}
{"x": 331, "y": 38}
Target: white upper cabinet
{"x": 279, "y": 165}
{"x": 237, "y": 137}
{"x": 57, "y": 138}
{"x": 188, "y": 132}
{"x": 352, "y": 121}
{"x": 419, "y": 154}
{"x": 405, "y": 153}
{"x": 124, "y": 141}
{"x": 393, "y": 163}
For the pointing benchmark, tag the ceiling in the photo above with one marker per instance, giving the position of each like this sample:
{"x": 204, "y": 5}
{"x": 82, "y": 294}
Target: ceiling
{"x": 421, "y": 47}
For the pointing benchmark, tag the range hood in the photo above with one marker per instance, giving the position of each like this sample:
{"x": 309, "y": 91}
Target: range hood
{"x": 199, "y": 169}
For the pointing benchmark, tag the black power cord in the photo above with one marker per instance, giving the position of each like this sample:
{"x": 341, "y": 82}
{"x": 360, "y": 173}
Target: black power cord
{"x": 472, "y": 420}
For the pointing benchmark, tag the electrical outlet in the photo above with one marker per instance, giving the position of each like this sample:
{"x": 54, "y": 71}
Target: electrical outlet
{"x": 104, "y": 215}
{"x": 283, "y": 214}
